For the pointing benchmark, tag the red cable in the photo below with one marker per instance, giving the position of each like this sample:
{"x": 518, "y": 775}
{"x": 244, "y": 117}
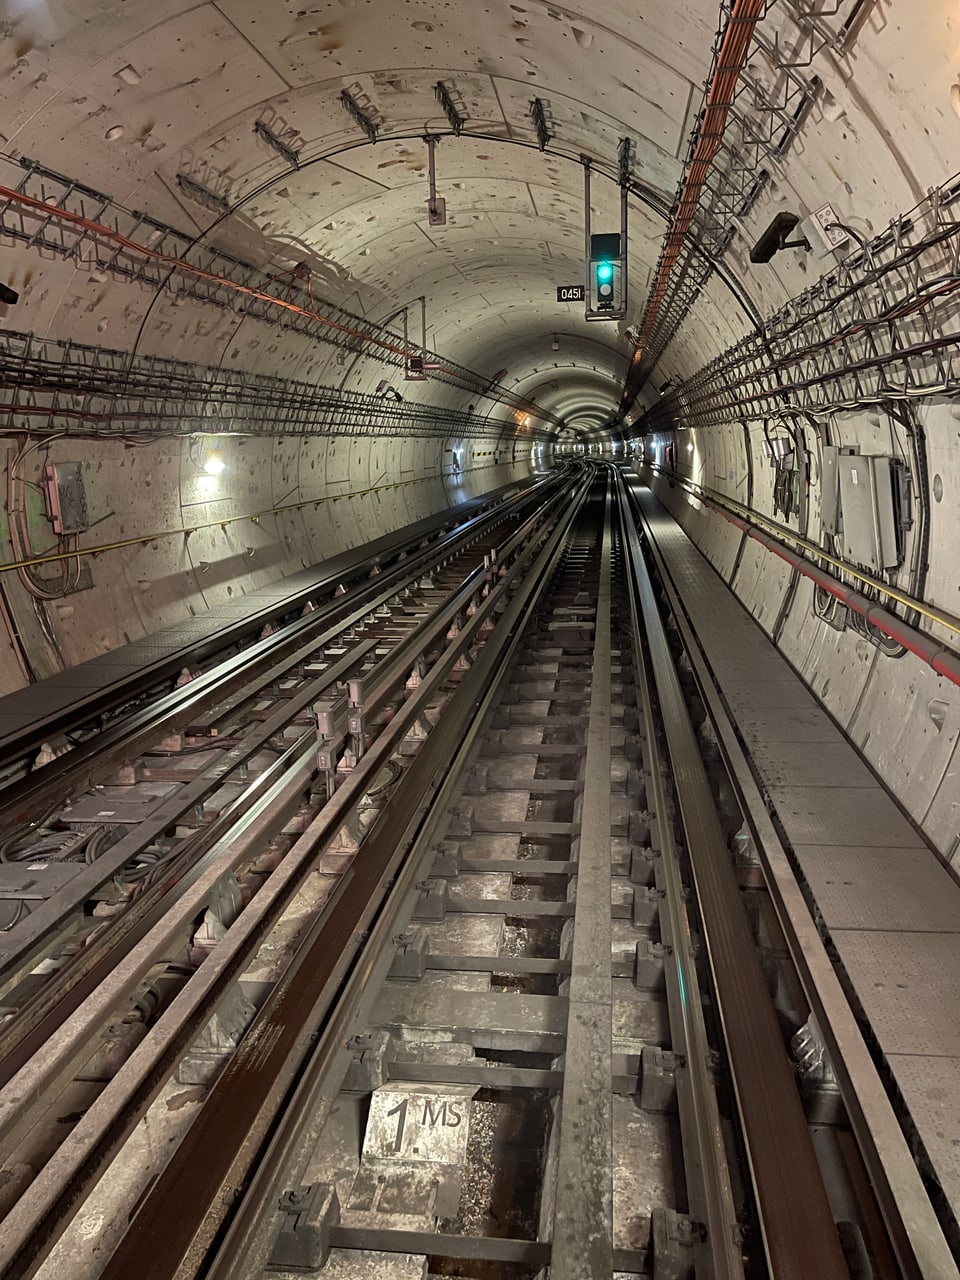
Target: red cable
{"x": 475, "y": 382}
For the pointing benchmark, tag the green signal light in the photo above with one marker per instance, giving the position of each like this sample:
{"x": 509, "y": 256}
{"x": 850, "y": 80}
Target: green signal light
{"x": 604, "y": 272}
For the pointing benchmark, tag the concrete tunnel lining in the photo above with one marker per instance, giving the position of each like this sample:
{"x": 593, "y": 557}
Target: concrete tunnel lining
{"x": 125, "y": 98}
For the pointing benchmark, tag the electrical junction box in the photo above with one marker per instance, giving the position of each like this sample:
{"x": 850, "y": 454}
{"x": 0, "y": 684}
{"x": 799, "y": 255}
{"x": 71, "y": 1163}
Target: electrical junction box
{"x": 66, "y": 497}
{"x": 872, "y": 493}
{"x": 821, "y": 232}
{"x": 830, "y": 489}
{"x": 778, "y": 451}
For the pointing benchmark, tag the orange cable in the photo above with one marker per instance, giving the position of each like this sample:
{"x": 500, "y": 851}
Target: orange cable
{"x": 98, "y": 229}
{"x": 730, "y": 61}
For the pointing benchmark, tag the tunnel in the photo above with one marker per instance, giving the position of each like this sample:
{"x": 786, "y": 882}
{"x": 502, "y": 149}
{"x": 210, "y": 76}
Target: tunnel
{"x": 291, "y": 298}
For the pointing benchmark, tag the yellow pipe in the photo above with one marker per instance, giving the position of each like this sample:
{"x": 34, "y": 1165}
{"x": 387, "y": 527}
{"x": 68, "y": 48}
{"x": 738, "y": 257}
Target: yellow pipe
{"x": 944, "y": 619}
{"x": 254, "y": 517}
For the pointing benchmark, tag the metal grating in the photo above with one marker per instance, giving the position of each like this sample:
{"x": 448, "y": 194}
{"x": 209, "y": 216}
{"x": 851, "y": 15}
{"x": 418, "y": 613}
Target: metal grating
{"x": 881, "y": 325}
{"x": 866, "y": 887}
{"x": 805, "y": 764}
{"x": 77, "y": 389}
{"x": 909, "y": 987}
{"x": 930, "y": 1088}
{"x": 842, "y": 816}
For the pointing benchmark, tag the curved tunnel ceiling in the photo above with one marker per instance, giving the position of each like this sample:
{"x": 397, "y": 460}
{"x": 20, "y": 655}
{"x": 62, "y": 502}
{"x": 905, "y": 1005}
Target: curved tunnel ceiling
{"x": 157, "y": 103}
{"x": 133, "y": 97}
{"x": 144, "y": 92}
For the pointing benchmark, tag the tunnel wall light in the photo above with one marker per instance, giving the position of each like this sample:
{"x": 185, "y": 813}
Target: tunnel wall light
{"x": 207, "y": 463}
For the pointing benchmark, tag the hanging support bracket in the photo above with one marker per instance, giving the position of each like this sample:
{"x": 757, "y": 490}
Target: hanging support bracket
{"x": 436, "y": 205}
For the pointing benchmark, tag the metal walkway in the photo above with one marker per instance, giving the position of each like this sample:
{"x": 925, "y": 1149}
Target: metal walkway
{"x": 887, "y": 903}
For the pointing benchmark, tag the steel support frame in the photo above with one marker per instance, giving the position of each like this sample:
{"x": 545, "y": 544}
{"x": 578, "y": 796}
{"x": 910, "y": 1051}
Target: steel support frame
{"x": 619, "y": 312}
{"x": 880, "y": 326}
{"x": 94, "y": 1141}
{"x": 246, "y": 1244}
{"x": 772, "y": 100}
{"x": 48, "y": 385}
{"x": 108, "y": 239}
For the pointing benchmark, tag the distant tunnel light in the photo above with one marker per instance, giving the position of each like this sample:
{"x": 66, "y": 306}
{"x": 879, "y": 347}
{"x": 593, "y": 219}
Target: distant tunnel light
{"x": 214, "y": 465}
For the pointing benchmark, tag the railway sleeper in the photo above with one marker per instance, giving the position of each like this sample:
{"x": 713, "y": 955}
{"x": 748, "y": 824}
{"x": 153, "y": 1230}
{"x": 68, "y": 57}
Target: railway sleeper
{"x": 513, "y": 1079}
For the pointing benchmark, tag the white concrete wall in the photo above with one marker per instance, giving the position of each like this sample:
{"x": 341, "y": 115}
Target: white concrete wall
{"x": 901, "y": 714}
{"x": 335, "y": 494}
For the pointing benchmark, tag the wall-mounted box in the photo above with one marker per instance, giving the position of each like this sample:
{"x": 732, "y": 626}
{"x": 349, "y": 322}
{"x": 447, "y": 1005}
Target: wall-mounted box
{"x": 869, "y": 503}
{"x": 66, "y": 497}
{"x": 830, "y": 489}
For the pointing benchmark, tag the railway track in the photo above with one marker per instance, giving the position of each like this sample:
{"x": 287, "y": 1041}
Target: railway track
{"x": 458, "y": 973}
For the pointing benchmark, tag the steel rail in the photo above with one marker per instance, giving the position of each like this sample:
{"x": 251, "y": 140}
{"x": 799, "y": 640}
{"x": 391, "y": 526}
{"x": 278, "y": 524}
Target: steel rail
{"x": 56, "y": 1194}
{"x": 380, "y": 684}
{"x": 177, "y": 1221}
{"x": 709, "y": 1184}
{"x": 246, "y": 1245}
{"x": 21, "y": 948}
{"x": 342, "y": 568}
{"x": 915, "y": 1233}
{"x": 582, "y": 1234}
{"x": 796, "y": 1221}
{"x": 94, "y": 967}
{"x": 21, "y": 800}
{"x": 32, "y": 1026}
{"x": 53, "y": 1054}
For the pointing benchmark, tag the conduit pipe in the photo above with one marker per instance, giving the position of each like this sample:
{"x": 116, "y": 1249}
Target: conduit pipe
{"x": 253, "y": 517}
{"x": 721, "y": 92}
{"x": 936, "y": 655}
